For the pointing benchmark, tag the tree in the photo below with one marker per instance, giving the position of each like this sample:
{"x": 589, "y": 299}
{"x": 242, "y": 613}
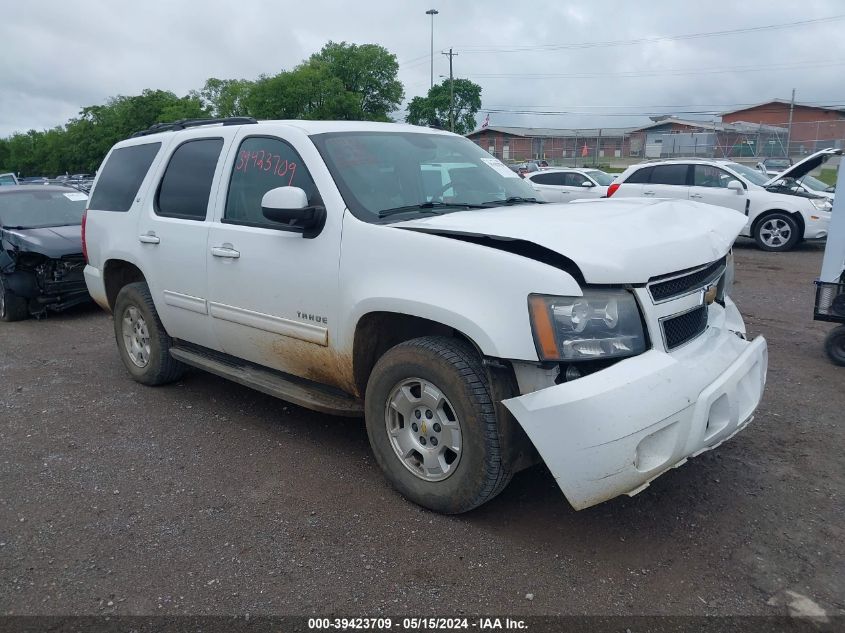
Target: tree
{"x": 224, "y": 97}
{"x": 433, "y": 109}
{"x": 368, "y": 75}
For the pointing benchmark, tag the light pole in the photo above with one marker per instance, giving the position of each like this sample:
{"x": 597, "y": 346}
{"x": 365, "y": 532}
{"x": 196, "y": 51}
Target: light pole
{"x": 432, "y": 13}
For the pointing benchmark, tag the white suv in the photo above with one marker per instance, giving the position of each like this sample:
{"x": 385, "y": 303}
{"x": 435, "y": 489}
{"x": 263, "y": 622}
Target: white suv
{"x": 405, "y": 275}
{"x": 777, "y": 220}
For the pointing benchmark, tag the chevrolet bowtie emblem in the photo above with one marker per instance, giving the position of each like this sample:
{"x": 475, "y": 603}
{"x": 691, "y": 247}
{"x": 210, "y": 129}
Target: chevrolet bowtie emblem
{"x": 423, "y": 428}
{"x": 710, "y": 294}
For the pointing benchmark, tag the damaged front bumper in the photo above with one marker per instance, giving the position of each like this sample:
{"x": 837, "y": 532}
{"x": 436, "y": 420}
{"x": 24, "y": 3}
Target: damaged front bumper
{"x": 612, "y": 432}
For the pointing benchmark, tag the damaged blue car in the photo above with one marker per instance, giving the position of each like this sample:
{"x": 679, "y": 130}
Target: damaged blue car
{"x": 41, "y": 260}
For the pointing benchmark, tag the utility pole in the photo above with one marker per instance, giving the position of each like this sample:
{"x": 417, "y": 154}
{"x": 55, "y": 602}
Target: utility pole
{"x": 432, "y": 13}
{"x": 451, "y": 92}
{"x": 789, "y": 125}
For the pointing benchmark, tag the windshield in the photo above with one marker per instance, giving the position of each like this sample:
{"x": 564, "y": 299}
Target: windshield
{"x": 600, "y": 177}
{"x": 37, "y": 209}
{"x": 383, "y": 174}
{"x": 752, "y": 175}
{"x": 814, "y": 183}
{"x": 777, "y": 163}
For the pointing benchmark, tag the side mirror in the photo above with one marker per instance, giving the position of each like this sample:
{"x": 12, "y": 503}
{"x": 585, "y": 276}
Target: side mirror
{"x": 735, "y": 185}
{"x": 587, "y": 184}
{"x": 289, "y": 206}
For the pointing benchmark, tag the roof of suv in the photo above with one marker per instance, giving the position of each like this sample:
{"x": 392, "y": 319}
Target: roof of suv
{"x": 308, "y": 127}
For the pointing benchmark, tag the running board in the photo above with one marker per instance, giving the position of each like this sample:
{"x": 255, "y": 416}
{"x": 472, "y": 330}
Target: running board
{"x": 304, "y": 393}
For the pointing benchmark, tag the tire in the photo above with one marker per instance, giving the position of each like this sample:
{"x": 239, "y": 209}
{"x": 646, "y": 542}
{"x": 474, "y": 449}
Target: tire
{"x": 142, "y": 341}
{"x": 834, "y": 345}
{"x": 444, "y": 377}
{"x": 777, "y": 232}
{"x": 12, "y": 307}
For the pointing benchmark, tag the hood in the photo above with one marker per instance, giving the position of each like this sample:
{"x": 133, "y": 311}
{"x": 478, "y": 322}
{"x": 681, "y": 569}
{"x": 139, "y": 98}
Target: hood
{"x": 612, "y": 241}
{"x": 53, "y": 241}
{"x": 804, "y": 167}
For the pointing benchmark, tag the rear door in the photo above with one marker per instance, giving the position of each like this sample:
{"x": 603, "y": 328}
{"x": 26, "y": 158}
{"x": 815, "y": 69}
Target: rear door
{"x": 550, "y": 185}
{"x": 669, "y": 181}
{"x": 710, "y": 185}
{"x": 173, "y": 234}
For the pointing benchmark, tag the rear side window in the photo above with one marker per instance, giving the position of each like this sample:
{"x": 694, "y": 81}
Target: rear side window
{"x": 122, "y": 176}
{"x": 640, "y": 177}
{"x": 263, "y": 164}
{"x": 186, "y": 184}
{"x": 549, "y": 179}
{"x": 669, "y": 175}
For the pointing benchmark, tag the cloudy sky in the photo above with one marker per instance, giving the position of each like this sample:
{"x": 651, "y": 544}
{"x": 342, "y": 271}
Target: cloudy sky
{"x": 604, "y": 64}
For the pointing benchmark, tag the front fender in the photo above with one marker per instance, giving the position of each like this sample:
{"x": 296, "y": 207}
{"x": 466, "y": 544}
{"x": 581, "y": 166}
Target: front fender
{"x": 478, "y": 290}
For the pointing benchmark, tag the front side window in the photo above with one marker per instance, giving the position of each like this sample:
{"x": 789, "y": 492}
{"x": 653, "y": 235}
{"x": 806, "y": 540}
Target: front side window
{"x": 381, "y": 174}
{"x": 263, "y": 164}
{"x": 604, "y": 179}
{"x": 710, "y": 176}
{"x": 186, "y": 184}
{"x": 669, "y": 175}
{"x": 122, "y": 176}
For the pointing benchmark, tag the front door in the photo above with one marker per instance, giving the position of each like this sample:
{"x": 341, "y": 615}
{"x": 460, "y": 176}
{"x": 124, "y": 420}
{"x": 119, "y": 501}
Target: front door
{"x": 272, "y": 293}
{"x": 710, "y": 185}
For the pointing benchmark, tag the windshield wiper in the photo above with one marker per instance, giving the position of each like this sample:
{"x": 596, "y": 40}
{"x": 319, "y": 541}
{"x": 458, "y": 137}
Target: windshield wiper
{"x": 428, "y": 207}
{"x": 513, "y": 200}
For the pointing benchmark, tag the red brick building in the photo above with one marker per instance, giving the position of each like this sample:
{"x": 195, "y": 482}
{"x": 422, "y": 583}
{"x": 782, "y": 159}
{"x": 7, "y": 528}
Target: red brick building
{"x": 595, "y": 145}
{"x": 813, "y": 127}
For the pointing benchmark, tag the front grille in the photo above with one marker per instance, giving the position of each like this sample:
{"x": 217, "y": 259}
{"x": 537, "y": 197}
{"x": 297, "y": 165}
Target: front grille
{"x": 682, "y": 328}
{"x": 685, "y": 283}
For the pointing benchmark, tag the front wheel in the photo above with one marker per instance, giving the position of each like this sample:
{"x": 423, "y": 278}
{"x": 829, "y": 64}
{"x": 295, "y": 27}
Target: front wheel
{"x": 12, "y": 307}
{"x": 432, "y": 425}
{"x": 834, "y": 345}
{"x": 777, "y": 232}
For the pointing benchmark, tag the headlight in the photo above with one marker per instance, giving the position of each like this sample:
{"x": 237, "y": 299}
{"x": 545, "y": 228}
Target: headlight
{"x": 601, "y": 324}
{"x": 821, "y": 204}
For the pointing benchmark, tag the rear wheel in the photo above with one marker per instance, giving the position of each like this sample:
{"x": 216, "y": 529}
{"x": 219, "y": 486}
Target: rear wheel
{"x": 432, "y": 425}
{"x": 12, "y": 307}
{"x": 834, "y": 345}
{"x": 777, "y": 232}
{"x": 143, "y": 343}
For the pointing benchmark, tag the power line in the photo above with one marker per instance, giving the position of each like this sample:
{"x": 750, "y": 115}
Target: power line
{"x": 672, "y": 72}
{"x": 649, "y": 40}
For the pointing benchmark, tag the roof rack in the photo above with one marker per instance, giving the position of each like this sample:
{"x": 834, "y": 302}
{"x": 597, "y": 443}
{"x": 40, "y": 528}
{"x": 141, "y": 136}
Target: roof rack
{"x": 186, "y": 123}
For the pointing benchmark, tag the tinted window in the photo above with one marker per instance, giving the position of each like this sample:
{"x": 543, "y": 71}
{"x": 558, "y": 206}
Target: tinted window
{"x": 576, "y": 180}
{"x": 186, "y": 183}
{"x": 709, "y": 176}
{"x": 122, "y": 176}
{"x": 7, "y": 179}
{"x": 549, "y": 179}
{"x": 640, "y": 176}
{"x": 263, "y": 164}
{"x": 669, "y": 175}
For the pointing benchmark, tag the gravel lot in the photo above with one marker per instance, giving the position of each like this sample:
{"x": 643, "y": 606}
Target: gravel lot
{"x": 205, "y": 497}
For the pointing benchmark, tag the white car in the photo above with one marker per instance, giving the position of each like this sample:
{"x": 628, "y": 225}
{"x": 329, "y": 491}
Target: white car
{"x": 403, "y": 274}
{"x": 776, "y": 218}
{"x": 565, "y": 185}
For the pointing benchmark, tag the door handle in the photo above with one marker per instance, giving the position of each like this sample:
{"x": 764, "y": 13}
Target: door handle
{"x": 225, "y": 251}
{"x": 149, "y": 238}
{"x": 695, "y": 195}
{"x": 648, "y": 193}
